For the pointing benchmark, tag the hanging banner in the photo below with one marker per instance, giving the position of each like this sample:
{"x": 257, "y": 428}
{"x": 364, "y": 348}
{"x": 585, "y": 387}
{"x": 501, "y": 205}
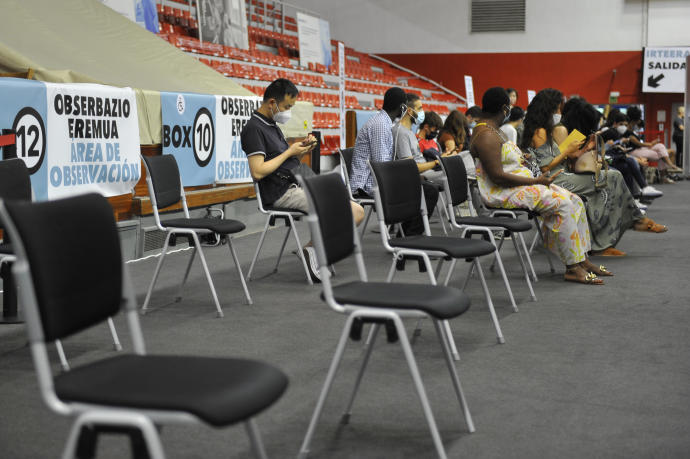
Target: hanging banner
{"x": 341, "y": 92}
{"x": 664, "y": 69}
{"x": 23, "y": 111}
{"x": 93, "y": 140}
{"x": 314, "y": 37}
{"x": 189, "y": 134}
{"x": 232, "y": 114}
{"x": 223, "y": 22}
{"x": 469, "y": 91}
{"x": 74, "y": 138}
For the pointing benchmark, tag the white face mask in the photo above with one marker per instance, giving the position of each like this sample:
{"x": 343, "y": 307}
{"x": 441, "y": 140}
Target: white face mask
{"x": 621, "y": 129}
{"x": 556, "y": 118}
{"x": 281, "y": 117}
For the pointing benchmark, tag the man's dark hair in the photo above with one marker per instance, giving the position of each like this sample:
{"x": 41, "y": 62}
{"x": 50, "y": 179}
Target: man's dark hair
{"x": 616, "y": 116}
{"x": 411, "y": 99}
{"x": 474, "y": 111}
{"x": 432, "y": 120}
{"x": 279, "y": 88}
{"x": 581, "y": 115}
{"x": 393, "y": 99}
{"x": 516, "y": 113}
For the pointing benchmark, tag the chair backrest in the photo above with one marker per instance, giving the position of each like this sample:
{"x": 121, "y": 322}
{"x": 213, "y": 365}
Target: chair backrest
{"x": 454, "y": 168}
{"x": 15, "y": 183}
{"x": 165, "y": 178}
{"x": 346, "y": 155}
{"x": 331, "y": 206}
{"x": 400, "y": 189}
{"x": 73, "y": 253}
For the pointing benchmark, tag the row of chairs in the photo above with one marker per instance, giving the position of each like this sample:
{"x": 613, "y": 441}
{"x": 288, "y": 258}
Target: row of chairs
{"x": 326, "y": 120}
{"x": 143, "y": 406}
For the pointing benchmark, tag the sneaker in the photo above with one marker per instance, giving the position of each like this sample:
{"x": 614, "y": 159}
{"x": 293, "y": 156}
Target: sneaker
{"x": 667, "y": 180}
{"x": 640, "y": 205}
{"x": 312, "y": 263}
{"x": 651, "y": 192}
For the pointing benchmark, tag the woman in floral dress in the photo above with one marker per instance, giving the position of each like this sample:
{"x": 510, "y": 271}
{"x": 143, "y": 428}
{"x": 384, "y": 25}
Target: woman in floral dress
{"x": 505, "y": 182}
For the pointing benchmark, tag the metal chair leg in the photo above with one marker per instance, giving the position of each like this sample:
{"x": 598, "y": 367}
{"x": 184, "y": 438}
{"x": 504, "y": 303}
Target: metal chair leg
{"x": 524, "y": 266}
{"x": 499, "y": 261}
{"x": 529, "y": 256}
{"x": 239, "y": 270}
{"x": 282, "y": 249}
{"x": 258, "y": 249}
{"x": 366, "y": 221}
{"x": 367, "y": 353}
{"x": 450, "y": 271}
{"x": 178, "y": 298}
{"x": 391, "y": 271}
{"x": 490, "y": 303}
{"x": 419, "y": 386}
{"x": 208, "y": 276}
{"x": 454, "y": 375}
{"x": 255, "y": 439}
{"x": 451, "y": 341}
{"x": 543, "y": 241}
{"x": 299, "y": 250}
{"x": 113, "y": 332}
{"x": 156, "y": 272}
{"x": 61, "y": 355}
{"x": 534, "y": 242}
{"x": 337, "y": 357}
{"x": 498, "y": 249}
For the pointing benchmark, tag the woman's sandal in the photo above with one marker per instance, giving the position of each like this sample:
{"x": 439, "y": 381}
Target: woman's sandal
{"x": 589, "y": 278}
{"x": 648, "y": 225}
{"x": 592, "y": 268}
{"x": 609, "y": 252}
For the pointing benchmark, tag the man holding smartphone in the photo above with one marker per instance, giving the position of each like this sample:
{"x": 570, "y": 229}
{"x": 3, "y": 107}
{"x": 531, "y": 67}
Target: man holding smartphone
{"x": 272, "y": 160}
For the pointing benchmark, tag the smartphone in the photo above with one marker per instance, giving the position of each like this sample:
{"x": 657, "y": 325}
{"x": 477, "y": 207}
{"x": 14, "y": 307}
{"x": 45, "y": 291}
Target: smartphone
{"x": 307, "y": 143}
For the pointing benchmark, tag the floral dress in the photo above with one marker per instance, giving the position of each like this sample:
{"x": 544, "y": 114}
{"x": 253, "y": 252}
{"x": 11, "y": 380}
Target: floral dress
{"x": 562, "y": 213}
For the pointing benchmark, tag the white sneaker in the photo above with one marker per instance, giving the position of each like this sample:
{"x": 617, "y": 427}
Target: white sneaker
{"x": 640, "y": 205}
{"x": 651, "y": 192}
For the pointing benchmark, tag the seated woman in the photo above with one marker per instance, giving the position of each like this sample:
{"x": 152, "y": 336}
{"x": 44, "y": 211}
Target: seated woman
{"x": 611, "y": 209}
{"x": 452, "y": 138}
{"x": 505, "y": 182}
{"x": 654, "y": 150}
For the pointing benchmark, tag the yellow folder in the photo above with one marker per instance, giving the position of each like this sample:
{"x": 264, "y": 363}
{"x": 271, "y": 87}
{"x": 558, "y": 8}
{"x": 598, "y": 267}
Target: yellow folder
{"x": 575, "y": 136}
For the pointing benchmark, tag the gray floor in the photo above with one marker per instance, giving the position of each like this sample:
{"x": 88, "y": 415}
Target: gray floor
{"x": 585, "y": 371}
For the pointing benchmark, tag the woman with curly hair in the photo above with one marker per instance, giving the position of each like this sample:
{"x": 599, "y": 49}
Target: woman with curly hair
{"x": 611, "y": 209}
{"x": 505, "y": 182}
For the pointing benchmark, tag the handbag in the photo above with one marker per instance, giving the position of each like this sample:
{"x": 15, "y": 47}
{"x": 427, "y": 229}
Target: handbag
{"x": 594, "y": 161}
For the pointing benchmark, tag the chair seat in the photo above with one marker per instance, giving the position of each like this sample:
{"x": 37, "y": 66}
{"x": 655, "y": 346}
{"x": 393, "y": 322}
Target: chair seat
{"x": 452, "y": 246}
{"x": 436, "y": 300}
{"x": 6, "y": 249}
{"x": 511, "y": 224}
{"x": 217, "y": 225}
{"x": 530, "y": 213}
{"x": 219, "y": 391}
{"x": 284, "y": 209}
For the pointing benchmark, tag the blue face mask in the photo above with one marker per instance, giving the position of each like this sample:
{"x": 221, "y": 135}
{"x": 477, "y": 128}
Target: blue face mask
{"x": 418, "y": 118}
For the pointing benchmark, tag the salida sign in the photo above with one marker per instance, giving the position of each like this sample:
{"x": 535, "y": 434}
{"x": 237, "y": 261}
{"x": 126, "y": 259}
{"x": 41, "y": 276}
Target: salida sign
{"x": 664, "y": 69}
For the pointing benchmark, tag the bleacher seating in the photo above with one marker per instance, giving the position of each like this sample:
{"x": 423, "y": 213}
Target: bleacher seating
{"x": 274, "y": 53}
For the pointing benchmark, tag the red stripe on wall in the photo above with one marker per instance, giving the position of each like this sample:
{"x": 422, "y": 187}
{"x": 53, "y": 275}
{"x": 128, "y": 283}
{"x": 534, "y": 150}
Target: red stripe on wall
{"x": 588, "y": 74}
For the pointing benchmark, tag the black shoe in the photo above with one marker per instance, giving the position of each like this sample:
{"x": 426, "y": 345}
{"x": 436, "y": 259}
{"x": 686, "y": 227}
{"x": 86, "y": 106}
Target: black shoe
{"x": 312, "y": 263}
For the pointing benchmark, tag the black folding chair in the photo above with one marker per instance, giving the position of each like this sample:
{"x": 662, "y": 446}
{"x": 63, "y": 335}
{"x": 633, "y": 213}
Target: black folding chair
{"x": 15, "y": 185}
{"x": 345, "y": 170}
{"x": 73, "y": 277}
{"x": 335, "y": 238}
{"x": 457, "y": 193}
{"x": 399, "y": 197}
{"x": 165, "y": 189}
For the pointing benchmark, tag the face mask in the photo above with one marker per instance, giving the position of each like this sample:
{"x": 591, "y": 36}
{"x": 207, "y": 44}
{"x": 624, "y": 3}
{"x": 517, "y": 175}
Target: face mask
{"x": 281, "y": 117}
{"x": 432, "y": 135}
{"x": 473, "y": 124}
{"x": 419, "y": 118}
{"x": 621, "y": 129}
{"x": 556, "y": 118}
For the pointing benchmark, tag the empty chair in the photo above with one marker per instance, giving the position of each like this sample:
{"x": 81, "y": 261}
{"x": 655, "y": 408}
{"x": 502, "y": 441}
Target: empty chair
{"x": 73, "y": 277}
{"x": 165, "y": 189}
{"x": 15, "y": 185}
{"x": 335, "y": 238}
{"x": 290, "y": 216}
{"x": 399, "y": 197}
{"x": 457, "y": 192}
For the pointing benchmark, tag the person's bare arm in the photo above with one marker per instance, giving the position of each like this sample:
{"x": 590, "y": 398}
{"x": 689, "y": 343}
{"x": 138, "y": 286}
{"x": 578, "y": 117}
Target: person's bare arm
{"x": 423, "y": 167}
{"x": 260, "y": 168}
{"x": 487, "y": 148}
{"x": 560, "y": 133}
